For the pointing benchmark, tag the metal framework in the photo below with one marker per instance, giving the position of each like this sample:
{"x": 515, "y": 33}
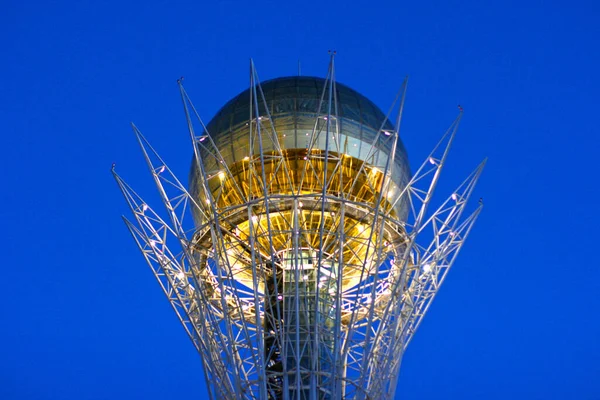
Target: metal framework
{"x": 300, "y": 281}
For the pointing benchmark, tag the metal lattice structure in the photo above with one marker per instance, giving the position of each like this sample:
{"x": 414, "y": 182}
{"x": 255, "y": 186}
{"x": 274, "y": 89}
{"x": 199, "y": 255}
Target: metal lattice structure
{"x": 303, "y": 255}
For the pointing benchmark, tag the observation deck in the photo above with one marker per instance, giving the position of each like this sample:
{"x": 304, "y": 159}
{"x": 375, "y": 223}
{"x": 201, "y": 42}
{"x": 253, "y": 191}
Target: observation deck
{"x": 284, "y": 156}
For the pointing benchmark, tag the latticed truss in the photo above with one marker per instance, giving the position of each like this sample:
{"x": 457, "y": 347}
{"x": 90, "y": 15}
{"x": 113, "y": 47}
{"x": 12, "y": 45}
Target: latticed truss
{"x": 296, "y": 271}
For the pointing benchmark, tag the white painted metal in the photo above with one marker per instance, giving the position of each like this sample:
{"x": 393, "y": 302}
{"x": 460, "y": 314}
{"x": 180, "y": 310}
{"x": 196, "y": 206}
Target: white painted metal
{"x": 332, "y": 342}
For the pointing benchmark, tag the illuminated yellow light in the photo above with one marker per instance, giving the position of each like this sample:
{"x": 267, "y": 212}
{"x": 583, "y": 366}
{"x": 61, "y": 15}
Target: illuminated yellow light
{"x": 361, "y": 228}
{"x": 367, "y": 188}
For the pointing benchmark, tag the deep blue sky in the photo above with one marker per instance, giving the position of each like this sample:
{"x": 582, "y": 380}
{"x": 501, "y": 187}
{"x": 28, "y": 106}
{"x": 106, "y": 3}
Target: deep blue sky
{"x": 83, "y": 318}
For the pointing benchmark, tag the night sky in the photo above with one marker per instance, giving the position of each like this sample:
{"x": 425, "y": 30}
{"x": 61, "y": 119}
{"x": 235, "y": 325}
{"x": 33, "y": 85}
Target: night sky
{"x": 82, "y": 317}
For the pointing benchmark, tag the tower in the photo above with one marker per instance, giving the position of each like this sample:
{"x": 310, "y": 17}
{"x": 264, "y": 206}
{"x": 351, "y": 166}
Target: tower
{"x": 303, "y": 254}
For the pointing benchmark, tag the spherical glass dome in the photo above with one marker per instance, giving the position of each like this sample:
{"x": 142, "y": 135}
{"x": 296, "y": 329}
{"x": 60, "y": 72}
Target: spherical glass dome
{"x": 299, "y": 94}
{"x": 297, "y": 98}
{"x": 293, "y": 108}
